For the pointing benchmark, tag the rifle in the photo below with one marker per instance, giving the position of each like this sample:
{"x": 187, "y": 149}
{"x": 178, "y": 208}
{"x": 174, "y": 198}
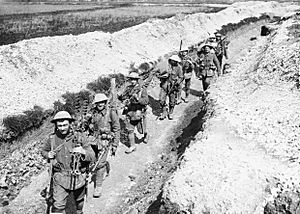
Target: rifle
{"x": 99, "y": 159}
{"x": 49, "y": 189}
{"x": 129, "y": 91}
{"x": 180, "y": 45}
{"x": 173, "y": 86}
{"x": 110, "y": 104}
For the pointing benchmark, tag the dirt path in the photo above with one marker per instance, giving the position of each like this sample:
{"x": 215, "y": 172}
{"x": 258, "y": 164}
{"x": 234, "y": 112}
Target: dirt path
{"x": 126, "y": 166}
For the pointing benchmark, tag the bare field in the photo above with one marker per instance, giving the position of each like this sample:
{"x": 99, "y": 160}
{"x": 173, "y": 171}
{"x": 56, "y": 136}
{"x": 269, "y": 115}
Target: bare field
{"x": 12, "y": 8}
{"x": 25, "y": 26}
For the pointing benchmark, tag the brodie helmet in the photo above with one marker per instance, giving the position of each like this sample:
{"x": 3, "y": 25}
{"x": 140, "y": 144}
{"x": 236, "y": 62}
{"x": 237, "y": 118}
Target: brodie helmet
{"x": 100, "y": 98}
{"x": 62, "y": 115}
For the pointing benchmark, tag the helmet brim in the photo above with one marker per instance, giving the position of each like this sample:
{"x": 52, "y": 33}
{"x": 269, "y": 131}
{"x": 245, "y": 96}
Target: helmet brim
{"x": 70, "y": 119}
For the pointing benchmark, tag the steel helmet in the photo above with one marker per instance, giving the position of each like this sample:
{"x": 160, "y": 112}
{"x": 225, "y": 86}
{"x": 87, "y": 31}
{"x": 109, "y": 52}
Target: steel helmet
{"x": 184, "y": 49}
{"x": 175, "y": 58}
{"x": 62, "y": 115}
{"x": 206, "y": 44}
{"x": 133, "y": 75}
{"x": 100, "y": 98}
{"x": 218, "y": 34}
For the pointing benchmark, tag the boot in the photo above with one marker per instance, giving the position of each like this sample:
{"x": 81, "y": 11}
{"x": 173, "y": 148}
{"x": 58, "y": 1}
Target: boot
{"x": 146, "y": 138}
{"x": 171, "y": 113}
{"x": 132, "y": 147}
{"x": 186, "y": 100}
{"x": 97, "y": 192}
{"x": 163, "y": 114}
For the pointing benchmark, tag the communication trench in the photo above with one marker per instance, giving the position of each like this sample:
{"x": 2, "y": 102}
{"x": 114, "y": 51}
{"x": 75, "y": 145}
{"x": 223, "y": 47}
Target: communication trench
{"x": 146, "y": 195}
{"x": 145, "y": 190}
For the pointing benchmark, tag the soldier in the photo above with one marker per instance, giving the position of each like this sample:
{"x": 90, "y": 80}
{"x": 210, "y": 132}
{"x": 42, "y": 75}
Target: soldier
{"x": 147, "y": 72}
{"x": 221, "y": 48}
{"x": 104, "y": 125}
{"x": 135, "y": 98}
{"x": 207, "y": 65}
{"x": 70, "y": 155}
{"x": 170, "y": 83}
{"x": 187, "y": 69}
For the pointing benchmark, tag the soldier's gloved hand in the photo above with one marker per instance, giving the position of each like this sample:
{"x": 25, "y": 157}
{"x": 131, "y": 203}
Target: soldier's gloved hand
{"x": 113, "y": 150}
{"x": 51, "y": 155}
{"x": 80, "y": 150}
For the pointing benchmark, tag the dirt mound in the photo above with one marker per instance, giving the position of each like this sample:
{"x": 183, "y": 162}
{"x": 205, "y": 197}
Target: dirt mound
{"x": 248, "y": 154}
{"x": 38, "y": 71}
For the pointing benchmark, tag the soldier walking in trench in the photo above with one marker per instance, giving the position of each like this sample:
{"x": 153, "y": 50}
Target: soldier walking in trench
{"x": 135, "y": 100}
{"x": 104, "y": 126}
{"x": 187, "y": 69}
{"x": 221, "y": 48}
{"x": 207, "y": 65}
{"x": 170, "y": 83}
{"x": 70, "y": 154}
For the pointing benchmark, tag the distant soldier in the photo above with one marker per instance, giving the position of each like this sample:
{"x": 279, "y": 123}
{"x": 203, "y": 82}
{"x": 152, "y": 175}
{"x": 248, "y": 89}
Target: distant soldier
{"x": 135, "y": 100}
{"x": 147, "y": 72}
{"x": 187, "y": 69}
{"x": 170, "y": 83}
{"x": 221, "y": 48}
{"x": 104, "y": 126}
{"x": 70, "y": 154}
{"x": 207, "y": 65}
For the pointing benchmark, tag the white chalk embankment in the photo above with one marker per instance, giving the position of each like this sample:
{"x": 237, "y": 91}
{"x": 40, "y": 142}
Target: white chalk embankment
{"x": 248, "y": 153}
{"x": 38, "y": 71}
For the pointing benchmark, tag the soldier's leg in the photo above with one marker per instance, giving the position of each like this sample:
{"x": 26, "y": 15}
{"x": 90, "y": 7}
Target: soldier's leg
{"x": 207, "y": 82}
{"x": 178, "y": 95}
{"x": 172, "y": 99}
{"x": 60, "y": 195}
{"x": 144, "y": 124}
{"x": 162, "y": 102}
{"x": 130, "y": 129}
{"x": 79, "y": 199}
{"x": 187, "y": 89}
{"x": 99, "y": 175}
{"x": 220, "y": 58}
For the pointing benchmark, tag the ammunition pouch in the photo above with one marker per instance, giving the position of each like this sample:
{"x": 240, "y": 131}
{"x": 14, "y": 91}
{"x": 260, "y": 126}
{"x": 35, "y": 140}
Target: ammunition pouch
{"x": 69, "y": 181}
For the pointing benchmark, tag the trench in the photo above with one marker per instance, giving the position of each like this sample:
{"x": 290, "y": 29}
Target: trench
{"x": 182, "y": 141}
{"x": 146, "y": 197}
{"x": 153, "y": 202}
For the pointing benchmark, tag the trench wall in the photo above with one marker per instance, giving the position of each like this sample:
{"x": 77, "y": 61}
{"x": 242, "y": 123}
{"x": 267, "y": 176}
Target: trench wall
{"x": 38, "y": 71}
{"x": 248, "y": 154}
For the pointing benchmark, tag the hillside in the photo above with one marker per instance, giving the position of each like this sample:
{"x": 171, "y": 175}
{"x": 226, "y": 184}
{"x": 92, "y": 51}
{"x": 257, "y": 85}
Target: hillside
{"x": 38, "y": 71}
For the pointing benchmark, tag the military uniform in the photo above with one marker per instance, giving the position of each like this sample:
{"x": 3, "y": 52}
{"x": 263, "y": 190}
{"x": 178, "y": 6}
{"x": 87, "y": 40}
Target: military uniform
{"x": 65, "y": 179}
{"x": 207, "y": 68}
{"x": 105, "y": 127}
{"x": 221, "y": 50}
{"x": 135, "y": 98}
{"x": 170, "y": 82}
{"x": 187, "y": 68}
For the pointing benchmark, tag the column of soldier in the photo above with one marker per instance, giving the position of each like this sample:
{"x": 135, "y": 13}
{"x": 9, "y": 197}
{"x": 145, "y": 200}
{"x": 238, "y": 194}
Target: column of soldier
{"x": 71, "y": 153}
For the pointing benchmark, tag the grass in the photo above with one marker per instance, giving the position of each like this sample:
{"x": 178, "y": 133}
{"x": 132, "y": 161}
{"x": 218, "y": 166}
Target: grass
{"x": 14, "y": 28}
{"x": 13, "y": 8}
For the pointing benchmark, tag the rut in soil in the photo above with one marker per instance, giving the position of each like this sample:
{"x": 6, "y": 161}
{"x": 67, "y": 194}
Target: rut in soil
{"x": 181, "y": 142}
